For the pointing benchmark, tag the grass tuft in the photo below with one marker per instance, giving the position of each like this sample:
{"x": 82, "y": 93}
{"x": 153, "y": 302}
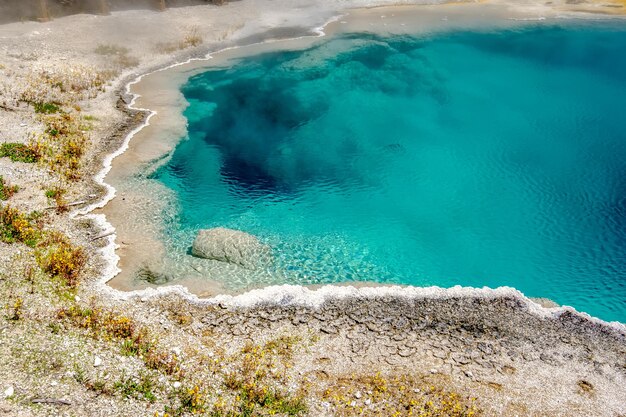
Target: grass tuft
{"x": 16, "y": 226}
{"x": 6, "y": 190}
{"x": 46, "y": 108}
{"x": 18, "y": 152}
{"x": 60, "y": 258}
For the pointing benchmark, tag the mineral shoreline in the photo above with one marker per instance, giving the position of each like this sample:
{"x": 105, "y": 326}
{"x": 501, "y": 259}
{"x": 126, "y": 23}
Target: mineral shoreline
{"x": 514, "y": 356}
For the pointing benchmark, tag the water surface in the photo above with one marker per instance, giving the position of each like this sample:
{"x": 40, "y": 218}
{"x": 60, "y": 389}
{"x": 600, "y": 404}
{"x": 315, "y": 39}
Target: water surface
{"x": 473, "y": 158}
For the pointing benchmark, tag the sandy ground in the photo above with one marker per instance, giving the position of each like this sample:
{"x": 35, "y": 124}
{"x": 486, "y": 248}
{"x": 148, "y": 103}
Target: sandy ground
{"x": 516, "y": 357}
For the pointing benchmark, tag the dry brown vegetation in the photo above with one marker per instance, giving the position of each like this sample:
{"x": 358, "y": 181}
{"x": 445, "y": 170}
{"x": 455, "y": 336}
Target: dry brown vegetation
{"x": 7, "y": 190}
{"x": 191, "y": 39}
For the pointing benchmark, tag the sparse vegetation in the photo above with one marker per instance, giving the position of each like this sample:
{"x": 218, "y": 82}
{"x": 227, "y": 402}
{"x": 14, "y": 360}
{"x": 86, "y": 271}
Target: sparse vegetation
{"x": 111, "y": 49}
{"x": 18, "y": 152}
{"x": 62, "y": 144}
{"x": 395, "y": 396}
{"x": 16, "y": 226}
{"x": 119, "y": 55}
{"x": 6, "y": 190}
{"x": 134, "y": 340}
{"x": 187, "y": 401}
{"x": 60, "y": 258}
{"x": 57, "y": 194}
{"x": 55, "y": 254}
{"x": 15, "y": 309}
{"x": 138, "y": 388}
{"x": 191, "y": 39}
{"x": 258, "y": 379}
{"x": 46, "y": 108}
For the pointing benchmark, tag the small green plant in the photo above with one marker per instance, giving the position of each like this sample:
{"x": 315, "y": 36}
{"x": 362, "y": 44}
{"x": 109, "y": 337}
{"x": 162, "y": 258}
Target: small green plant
{"x": 80, "y": 375}
{"x": 100, "y": 387}
{"x": 58, "y": 195}
{"x": 16, "y": 309}
{"x": 137, "y": 388}
{"x": 60, "y": 258}
{"x": 7, "y": 191}
{"x": 46, "y": 108}
{"x": 18, "y": 152}
{"x": 16, "y": 226}
{"x": 52, "y": 192}
{"x": 188, "y": 401}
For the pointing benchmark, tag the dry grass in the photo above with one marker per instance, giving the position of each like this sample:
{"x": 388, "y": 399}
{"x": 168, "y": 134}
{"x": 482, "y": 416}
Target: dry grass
{"x": 191, "y": 39}
{"x": 58, "y": 257}
{"x": 6, "y": 190}
{"x": 118, "y": 56}
{"x": 399, "y": 395}
{"x": 134, "y": 340}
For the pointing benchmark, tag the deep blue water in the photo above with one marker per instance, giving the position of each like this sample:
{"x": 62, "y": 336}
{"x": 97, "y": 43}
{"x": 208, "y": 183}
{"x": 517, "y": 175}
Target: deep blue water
{"x": 473, "y": 158}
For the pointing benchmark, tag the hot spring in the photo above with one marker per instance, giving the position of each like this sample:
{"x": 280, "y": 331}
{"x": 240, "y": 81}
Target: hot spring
{"x": 474, "y": 158}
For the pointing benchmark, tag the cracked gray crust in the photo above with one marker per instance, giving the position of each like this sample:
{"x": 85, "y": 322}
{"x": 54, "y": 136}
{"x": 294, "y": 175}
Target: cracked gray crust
{"x": 495, "y": 348}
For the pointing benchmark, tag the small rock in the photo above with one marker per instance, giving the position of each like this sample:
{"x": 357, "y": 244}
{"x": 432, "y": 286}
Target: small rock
{"x": 54, "y": 383}
{"x": 353, "y": 404}
{"x": 97, "y": 361}
{"x": 176, "y": 351}
{"x": 368, "y": 401}
{"x": 9, "y": 392}
{"x": 77, "y": 298}
{"x": 469, "y": 374}
{"x": 176, "y": 384}
{"x": 358, "y": 395}
{"x": 433, "y": 371}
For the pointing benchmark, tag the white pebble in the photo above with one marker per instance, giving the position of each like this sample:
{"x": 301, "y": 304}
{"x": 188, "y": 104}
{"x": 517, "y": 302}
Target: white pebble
{"x": 176, "y": 384}
{"x": 97, "y": 362}
{"x": 368, "y": 401}
{"x": 433, "y": 371}
{"x": 357, "y": 395}
{"x": 176, "y": 351}
{"x": 9, "y": 392}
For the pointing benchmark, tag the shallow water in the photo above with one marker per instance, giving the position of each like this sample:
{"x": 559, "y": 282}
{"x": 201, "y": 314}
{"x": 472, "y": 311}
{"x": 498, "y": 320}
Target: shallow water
{"x": 472, "y": 158}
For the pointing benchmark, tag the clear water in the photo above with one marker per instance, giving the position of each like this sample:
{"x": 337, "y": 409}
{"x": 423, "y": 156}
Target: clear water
{"x": 472, "y": 158}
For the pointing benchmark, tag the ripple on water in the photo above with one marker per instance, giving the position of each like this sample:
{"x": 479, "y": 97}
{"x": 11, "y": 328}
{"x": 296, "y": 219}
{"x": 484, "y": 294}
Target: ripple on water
{"x": 480, "y": 159}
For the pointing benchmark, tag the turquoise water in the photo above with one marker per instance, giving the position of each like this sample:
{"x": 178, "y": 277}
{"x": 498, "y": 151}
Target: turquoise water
{"x": 472, "y": 158}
